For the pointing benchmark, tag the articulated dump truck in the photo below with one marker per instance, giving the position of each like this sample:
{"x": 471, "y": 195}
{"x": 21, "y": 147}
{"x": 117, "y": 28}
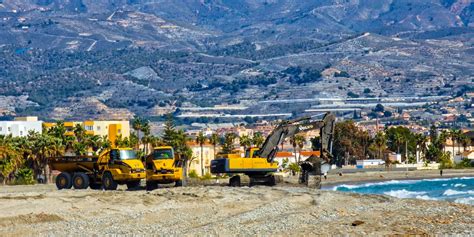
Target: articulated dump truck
{"x": 111, "y": 168}
{"x": 162, "y": 167}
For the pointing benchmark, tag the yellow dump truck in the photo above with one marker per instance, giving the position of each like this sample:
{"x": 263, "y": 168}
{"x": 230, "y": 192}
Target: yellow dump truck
{"x": 111, "y": 168}
{"x": 162, "y": 167}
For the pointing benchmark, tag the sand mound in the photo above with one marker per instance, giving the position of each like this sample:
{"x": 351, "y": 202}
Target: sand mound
{"x": 29, "y": 219}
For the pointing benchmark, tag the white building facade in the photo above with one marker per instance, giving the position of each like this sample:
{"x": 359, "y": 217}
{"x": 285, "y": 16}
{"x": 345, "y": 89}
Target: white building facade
{"x": 21, "y": 126}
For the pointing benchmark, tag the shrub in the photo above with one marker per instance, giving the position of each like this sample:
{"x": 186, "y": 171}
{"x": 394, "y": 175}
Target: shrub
{"x": 192, "y": 174}
{"x": 24, "y": 176}
{"x": 465, "y": 163}
{"x": 207, "y": 176}
{"x": 445, "y": 161}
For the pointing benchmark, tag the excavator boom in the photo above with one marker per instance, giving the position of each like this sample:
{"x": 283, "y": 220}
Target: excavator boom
{"x": 290, "y": 128}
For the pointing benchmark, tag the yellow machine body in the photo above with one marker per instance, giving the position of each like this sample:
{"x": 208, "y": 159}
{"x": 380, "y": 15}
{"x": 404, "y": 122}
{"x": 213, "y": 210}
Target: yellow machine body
{"x": 162, "y": 166}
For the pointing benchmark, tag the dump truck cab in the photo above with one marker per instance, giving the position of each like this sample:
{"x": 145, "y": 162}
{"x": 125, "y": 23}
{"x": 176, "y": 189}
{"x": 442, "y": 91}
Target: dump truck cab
{"x": 162, "y": 167}
{"x": 107, "y": 170}
{"x": 124, "y": 167}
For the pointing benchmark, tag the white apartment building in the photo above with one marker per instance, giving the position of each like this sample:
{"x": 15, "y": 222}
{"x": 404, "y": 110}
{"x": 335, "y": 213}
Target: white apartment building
{"x": 21, "y": 126}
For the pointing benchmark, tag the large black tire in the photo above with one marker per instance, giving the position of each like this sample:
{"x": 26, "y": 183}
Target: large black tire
{"x": 95, "y": 186}
{"x": 80, "y": 181}
{"x": 271, "y": 180}
{"x": 64, "y": 181}
{"x": 133, "y": 184}
{"x": 234, "y": 181}
{"x": 108, "y": 182}
{"x": 178, "y": 183}
{"x": 150, "y": 185}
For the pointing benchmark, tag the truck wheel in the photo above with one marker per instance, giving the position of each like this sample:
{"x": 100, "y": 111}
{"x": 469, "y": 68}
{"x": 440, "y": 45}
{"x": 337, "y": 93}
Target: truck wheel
{"x": 178, "y": 183}
{"x": 108, "y": 182}
{"x": 95, "y": 186}
{"x": 271, "y": 180}
{"x": 64, "y": 181}
{"x": 150, "y": 185}
{"x": 80, "y": 181}
{"x": 133, "y": 184}
{"x": 234, "y": 181}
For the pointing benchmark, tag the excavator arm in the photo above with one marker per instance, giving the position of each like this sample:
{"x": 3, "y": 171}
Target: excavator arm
{"x": 292, "y": 127}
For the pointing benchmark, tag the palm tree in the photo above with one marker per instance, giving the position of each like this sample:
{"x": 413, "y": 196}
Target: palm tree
{"x": 214, "y": 140}
{"x": 460, "y": 140}
{"x": 380, "y": 142}
{"x": 454, "y": 134}
{"x": 421, "y": 141}
{"x": 10, "y": 161}
{"x": 293, "y": 144}
{"x": 398, "y": 140}
{"x": 300, "y": 140}
{"x": 258, "y": 139}
{"x": 201, "y": 140}
{"x": 443, "y": 136}
{"x": 140, "y": 125}
{"x": 245, "y": 141}
{"x": 228, "y": 146}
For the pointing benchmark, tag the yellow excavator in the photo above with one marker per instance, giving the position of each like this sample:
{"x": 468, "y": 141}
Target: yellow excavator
{"x": 107, "y": 170}
{"x": 162, "y": 167}
{"x": 258, "y": 163}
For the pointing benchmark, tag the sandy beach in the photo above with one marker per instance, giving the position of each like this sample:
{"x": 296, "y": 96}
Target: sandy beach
{"x": 286, "y": 209}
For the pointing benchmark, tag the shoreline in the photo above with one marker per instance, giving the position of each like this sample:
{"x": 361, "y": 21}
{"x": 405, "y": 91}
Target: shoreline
{"x": 329, "y": 186}
{"x": 384, "y": 176}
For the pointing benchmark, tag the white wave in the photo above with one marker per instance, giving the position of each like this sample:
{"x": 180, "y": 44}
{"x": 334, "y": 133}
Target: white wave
{"x": 444, "y": 185}
{"x": 451, "y": 192}
{"x": 403, "y": 193}
{"x": 459, "y": 185}
{"x": 425, "y": 197}
{"x": 390, "y": 182}
{"x": 468, "y": 200}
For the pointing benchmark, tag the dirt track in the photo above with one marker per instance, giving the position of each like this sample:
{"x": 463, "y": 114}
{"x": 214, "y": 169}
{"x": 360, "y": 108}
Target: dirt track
{"x": 214, "y": 210}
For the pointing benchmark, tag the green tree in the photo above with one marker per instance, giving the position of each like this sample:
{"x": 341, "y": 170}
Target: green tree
{"x": 10, "y": 161}
{"x": 245, "y": 141}
{"x": 350, "y": 140}
{"x": 380, "y": 142}
{"x": 228, "y": 145}
{"x": 201, "y": 140}
{"x": 214, "y": 140}
{"x": 141, "y": 125}
{"x": 421, "y": 141}
{"x": 300, "y": 140}
{"x": 258, "y": 139}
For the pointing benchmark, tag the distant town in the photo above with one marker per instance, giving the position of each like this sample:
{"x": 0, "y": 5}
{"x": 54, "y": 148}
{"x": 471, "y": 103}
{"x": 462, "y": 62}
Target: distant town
{"x": 408, "y": 132}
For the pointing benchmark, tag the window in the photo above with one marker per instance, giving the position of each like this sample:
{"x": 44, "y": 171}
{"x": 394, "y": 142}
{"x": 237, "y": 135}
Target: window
{"x": 119, "y": 131}
{"x": 21, "y": 133}
{"x": 98, "y": 128}
{"x": 89, "y": 128}
{"x": 9, "y": 129}
{"x": 1, "y": 128}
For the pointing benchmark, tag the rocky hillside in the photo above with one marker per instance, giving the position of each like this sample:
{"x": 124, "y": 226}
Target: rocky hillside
{"x": 85, "y": 58}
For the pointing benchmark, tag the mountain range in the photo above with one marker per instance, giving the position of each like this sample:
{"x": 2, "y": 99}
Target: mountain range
{"x": 116, "y": 58}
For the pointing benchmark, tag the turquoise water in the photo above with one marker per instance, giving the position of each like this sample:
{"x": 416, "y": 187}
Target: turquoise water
{"x": 460, "y": 190}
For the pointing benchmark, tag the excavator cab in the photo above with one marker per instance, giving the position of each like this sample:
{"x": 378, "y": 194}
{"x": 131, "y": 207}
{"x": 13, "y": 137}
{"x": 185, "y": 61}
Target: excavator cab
{"x": 251, "y": 152}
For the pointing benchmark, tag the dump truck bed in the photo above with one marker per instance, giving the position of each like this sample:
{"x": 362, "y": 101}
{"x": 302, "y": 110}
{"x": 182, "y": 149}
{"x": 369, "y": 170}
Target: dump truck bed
{"x": 73, "y": 163}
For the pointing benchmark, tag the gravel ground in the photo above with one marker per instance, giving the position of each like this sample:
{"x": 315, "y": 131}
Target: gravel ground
{"x": 216, "y": 210}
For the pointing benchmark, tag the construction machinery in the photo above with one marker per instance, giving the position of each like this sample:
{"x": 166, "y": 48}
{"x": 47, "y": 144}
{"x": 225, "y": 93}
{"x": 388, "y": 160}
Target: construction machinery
{"x": 162, "y": 167}
{"x": 314, "y": 167}
{"x": 107, "y": 170}
{"x": 258, "y": 163}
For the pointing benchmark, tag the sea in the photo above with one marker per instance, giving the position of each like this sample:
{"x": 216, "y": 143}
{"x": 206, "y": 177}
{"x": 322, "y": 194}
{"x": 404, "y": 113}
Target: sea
{"x": 459, "y": 190}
